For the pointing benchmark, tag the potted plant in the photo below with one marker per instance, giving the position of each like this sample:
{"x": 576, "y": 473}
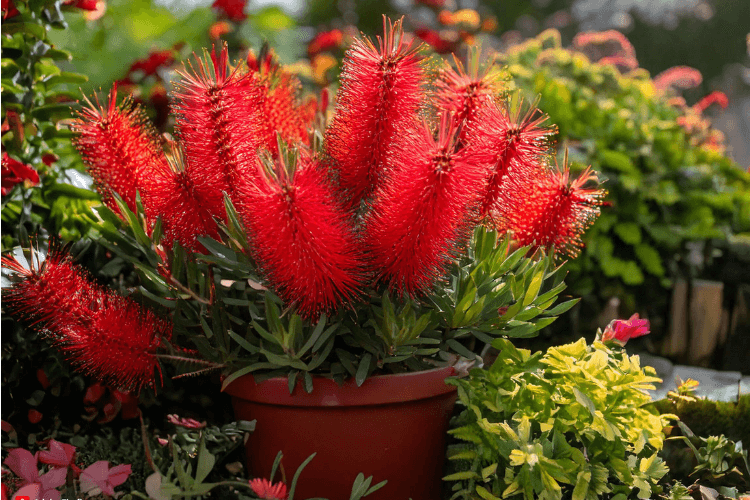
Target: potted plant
{"x": 333, "y": 265}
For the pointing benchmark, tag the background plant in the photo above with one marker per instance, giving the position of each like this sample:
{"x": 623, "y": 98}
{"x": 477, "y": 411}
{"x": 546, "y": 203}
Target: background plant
{"x": 573, "y": 421}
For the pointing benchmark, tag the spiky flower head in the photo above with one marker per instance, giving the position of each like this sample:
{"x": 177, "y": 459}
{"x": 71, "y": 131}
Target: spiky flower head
{"x": 546, "y": 209}
{"x": 300, "y": 235}
{"x": 119, "y": 146}
{"x": 108, "y": 336}
{"x": 218, "y": 122}
{"x": 380, "y": 94}
{"x": 425, "y": 210}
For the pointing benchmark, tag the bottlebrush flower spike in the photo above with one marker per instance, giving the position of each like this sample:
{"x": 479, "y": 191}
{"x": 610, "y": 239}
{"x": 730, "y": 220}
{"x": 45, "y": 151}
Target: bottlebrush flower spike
{"x": 424, "y": 210}
{"x": 465, "y": 93}
{"x": 300, "y": 236}
{"x": 548, "y": 210}
{"x": 173, "y": 195}
{"x": 105, "y": 335}
{"x": 379, "y": 97}
{"x": 119, "y": 146}
{"x": 218, "y": 123}
{"x": 508, "y": 145}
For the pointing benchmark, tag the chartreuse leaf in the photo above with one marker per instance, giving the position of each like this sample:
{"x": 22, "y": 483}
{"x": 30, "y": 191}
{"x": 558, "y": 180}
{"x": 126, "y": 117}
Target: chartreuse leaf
{"x": 206, "y": 462}
{"x": 484, "y": 493}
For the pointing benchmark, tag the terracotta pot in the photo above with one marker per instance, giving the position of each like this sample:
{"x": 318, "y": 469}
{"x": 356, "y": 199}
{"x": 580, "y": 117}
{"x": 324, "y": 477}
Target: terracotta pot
{"x": 392, "y": 427}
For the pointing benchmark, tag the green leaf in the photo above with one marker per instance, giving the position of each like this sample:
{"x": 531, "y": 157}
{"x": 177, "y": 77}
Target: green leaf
{"x": 484, "y": 493}
{"x": 66, "y": 77}
{"x": 244, "y": 343}
{"x": 297, "y": 474}
{"x": 206, "y": 462}
{"x": 459, "y": 476}
{"x": 533, "y": 290}
{"x": 650, "y": 259}
{"x": 363, "y": 369}
{"x": 459, "y": 349}
{"x": 244, "y": 371}
{"x": 629, "y": 232}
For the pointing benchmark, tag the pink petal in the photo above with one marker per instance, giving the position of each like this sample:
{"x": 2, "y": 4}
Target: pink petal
{"x": 94, "y": 478}
{"x": 23, "y": 464}
{"x": 119, "y": 474}
{"x": 59, "y": 454}
{"x": 31, "y": 491}
{"x": 54, "y": 478}
{"x": 51, "y": 495}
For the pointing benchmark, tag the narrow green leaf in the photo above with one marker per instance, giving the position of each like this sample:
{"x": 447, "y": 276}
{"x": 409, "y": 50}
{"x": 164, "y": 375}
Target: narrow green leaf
{"x": 206, "y": 462}
{"x": 297, "y": 474}
{"x": 363, "y": 369}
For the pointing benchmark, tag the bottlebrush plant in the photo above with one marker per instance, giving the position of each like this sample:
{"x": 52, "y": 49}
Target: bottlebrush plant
{"x": 407, "y": 229}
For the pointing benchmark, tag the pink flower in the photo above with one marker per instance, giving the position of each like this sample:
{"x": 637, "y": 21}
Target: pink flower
{"x": 99, "y": 478}
{"x": 23, "y": 465}
{"x": 620, "y": 331}
{"x": 188, "y": 423}
{"x": 59, "y": 454}
{"x": 268, "y": 491}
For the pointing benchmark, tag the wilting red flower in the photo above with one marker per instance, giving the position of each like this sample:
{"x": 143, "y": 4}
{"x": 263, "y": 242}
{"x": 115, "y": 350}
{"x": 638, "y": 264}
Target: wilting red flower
{"x": 680, "y": 77}
{"x": 441, "y": 42}
{"x": 151, "y": 63}
{"x": 99, "y": 478}
{"x": 104, "y": 334}
{"x": 715, "y": 97}
{"x": 120, "y": 147}
{"x": 379, "y": 96}
{"x": 546, "y": 209}
{"x": 217, "y": 111}
{"x": 82, "y": 4}
{"x": 620, "y": 330}
{"x": 58, "y": 455}
{"x": 325, "y": 40}
{"x": 423, "y": 211}
{"x": 600, "y": 44}
{"x": 464, "y": 94}
{"x": 14, "y": 172}
{"x": 234, "y": 10}
{"x": 508, "y": 144}
{"x": 301, "y": 238}
{"x": 188, "y": 423}
{"x": 265, "y": 490}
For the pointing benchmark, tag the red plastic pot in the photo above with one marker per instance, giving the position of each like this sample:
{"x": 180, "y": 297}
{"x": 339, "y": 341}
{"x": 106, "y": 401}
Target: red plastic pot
{"x": 392, "y": 427}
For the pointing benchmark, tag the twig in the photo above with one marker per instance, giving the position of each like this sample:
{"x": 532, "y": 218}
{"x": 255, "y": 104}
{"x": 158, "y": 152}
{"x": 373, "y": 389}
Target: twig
{"x": 188, "y": 291}
{"x": 146, "y": 447}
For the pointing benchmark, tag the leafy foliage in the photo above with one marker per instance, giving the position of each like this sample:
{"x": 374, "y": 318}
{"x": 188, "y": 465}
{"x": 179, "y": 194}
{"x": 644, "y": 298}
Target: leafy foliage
{"x": 575, "y": 420}
{"x": 665, "y": 189}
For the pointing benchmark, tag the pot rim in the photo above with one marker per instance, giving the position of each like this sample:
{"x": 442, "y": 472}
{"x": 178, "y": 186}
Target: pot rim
{"x": 377, "y": 390}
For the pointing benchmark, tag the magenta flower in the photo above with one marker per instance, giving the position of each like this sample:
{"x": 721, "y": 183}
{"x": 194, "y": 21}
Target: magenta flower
{"x": 99, "y": 478}
{"x": 23, "y": 464}
{"x": 268, "y": 491}
{"x": 59, "y": 454}
{"x": 188, "y": 423}
{"x": 620, "y": 331}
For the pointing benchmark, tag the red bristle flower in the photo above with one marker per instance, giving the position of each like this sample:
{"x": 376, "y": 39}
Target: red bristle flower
{"x": 464, "y": 94}
{"x": 678, "y": 77}
{"x": 282, "y": 111}
{"x": 715, "y": 97}
{"x": 548, "y": 210}
{"x": 301, "y": 237}
{"x": 173, "y": 195}
{"x": 119, "y": 146}
{"x": 424, "y": 210}
{"x": 380, "y": 94}
{"x": 218, "y": 122}
{"x": 508, "y": 145}
{"x": 105, "y": 335}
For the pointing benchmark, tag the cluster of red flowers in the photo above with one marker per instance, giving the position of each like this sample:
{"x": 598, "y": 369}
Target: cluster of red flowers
{"x": 390, "y": 199}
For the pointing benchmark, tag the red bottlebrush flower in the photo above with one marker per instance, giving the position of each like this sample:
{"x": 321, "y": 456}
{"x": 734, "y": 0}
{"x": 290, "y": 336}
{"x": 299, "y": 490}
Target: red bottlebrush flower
{"x": 424, "y": 210}
{"x": 599, "y": 44}
{"x": 546, "y": 209}
{"x": 622, "y": 63}
{"x": 120, "y": 148}
{"x": 441, "y": 42}
{"x": 465, "y": 94}
{"x": 437, "y": 4}
{"x": 265, "y": 490}
{"x": 379, "y": 97}
{"x": 108, "y": 336}
{"x": 301, "y": 238}
{"x": 155, "y": 60}
{"x": 15, "y": 172}
{"x": 508, "y": 145}
{"x": 325, "y": 40}
{"x": 218, "y": 122}
{"x": 679, "y": 77}
{"x": 89, "y": 5}
{"x": 219, "y": 29}
{"x": 172, "y": 194}
{"x": 234, "y": 10}
{"x": 282, "y": 111}
{"x": 620, "y": 331}
{"x": 715, "y": 97}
